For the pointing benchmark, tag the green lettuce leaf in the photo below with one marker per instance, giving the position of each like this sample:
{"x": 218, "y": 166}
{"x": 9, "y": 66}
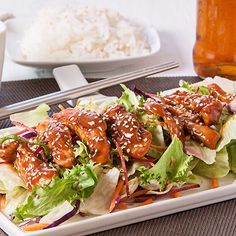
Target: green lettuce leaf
{"x": 9, "y": 179}
{"x": 194, "y": 89}
{"x": 57, "y": 213}
{"x": 95, "y": 103}
{"x": 33, "y": 117}
{"x": 14, "y": 198}
{"x": 100, "y": 200}
{"x": 81, "y": 152}
{"x": 157, "y": 134}
{"x": 203, "y": 90}
{"x": 172, "y": 166}
{"x": 129, "y": 100}
{"x": 157, "y": 139}
{"x": 228, "y": 133}
{"x": 218, "y": 169}
{"x": 228, "y": 141}
{"x": 225, "y": 114}
{"x": 188, "y": 86}
{"x": 84, "y": 178}
{"x": 76, "y": 184}
{"x": 231, "y": 149}
{"x": 201, "y": 152}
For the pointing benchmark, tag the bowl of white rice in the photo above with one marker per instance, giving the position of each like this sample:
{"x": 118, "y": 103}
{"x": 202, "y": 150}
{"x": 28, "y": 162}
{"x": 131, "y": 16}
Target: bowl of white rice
{"x": 87, "y": 36}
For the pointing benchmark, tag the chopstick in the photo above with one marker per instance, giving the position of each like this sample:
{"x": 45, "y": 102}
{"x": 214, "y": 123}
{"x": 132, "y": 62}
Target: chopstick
{"x": 62, "y": 96}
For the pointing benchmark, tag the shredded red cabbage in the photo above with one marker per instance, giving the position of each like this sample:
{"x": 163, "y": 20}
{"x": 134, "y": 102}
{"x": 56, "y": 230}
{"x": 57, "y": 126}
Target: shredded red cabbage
{"x": 65, "y": 217}
{"x": 139, "y": 92}
{"x": 44, "y": 158}
{"x": 124, "y": 168}
{"x": 117, "y": 201}
{"x": 21, "y": 131}
{"x": 29, "y": 135}
{"x": 19, "y": 124}
{"x": 142, "y": 93}
{"x": 40, "y": 151}
{"x": 173, "y": 190}
{"x": 184, "y": 188}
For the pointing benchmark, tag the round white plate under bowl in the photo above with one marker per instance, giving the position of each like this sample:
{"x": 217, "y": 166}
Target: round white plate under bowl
{"x": 16, "y": 28}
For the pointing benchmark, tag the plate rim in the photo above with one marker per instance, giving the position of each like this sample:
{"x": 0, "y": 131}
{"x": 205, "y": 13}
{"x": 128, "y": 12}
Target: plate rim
{"x": 120, "y": 218}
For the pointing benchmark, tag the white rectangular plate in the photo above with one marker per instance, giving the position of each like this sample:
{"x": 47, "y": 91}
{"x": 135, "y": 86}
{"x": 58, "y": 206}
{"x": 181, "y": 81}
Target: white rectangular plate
{"x": 16, "y": 28}
{"x": 78, "y": 225}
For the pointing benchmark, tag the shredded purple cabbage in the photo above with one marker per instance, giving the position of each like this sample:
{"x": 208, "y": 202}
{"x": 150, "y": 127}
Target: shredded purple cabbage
{"x": 29, "y": 135}
{"x": 40, "y": 151}
{"x": 65, "y": 217}
{"x": 44, "y": 158}
{"x": 117, "y": 200}
{"x": 138, "y": 91}
{"x": 142, "y": 93}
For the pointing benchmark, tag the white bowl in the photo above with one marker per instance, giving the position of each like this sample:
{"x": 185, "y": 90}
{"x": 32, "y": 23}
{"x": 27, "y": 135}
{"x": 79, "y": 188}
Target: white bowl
{"x": 16, "y": 28}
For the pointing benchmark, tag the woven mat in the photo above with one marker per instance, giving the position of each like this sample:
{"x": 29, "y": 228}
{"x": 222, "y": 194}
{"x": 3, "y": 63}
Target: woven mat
{"x": 216, "y": 219}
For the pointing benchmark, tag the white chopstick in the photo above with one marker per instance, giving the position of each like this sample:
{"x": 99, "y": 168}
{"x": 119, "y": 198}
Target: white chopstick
{"x": 62, "y": 96}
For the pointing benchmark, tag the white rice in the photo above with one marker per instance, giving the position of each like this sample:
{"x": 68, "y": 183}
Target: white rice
{"x": 82, "y": 33}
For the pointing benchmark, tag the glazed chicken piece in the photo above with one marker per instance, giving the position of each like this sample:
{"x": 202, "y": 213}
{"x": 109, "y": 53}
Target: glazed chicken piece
{"x": 217, "y": 92}
{"x": 91, "y": 129}
{"x": 173, "y": 123}
{"x": 186, "y": 121}
{"x": 211, "y": 113}
{"x": 8, "y": 151}
{"x": 182, "y": 114}
{"x": 127, "y": 132}
{"x": 192, "y": 123}
{"x": 208, "y": 136}
{"x": 33, "y": 171}
{"x": 208, "y": 108}
{"x": 59, "y": 140}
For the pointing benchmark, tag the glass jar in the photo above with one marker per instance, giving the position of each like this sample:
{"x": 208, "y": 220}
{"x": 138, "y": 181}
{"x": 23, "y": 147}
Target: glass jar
{"x": 214, "y": 52}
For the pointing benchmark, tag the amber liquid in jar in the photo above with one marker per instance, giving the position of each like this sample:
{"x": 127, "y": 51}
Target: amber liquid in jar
{"x": 215, "y": 47}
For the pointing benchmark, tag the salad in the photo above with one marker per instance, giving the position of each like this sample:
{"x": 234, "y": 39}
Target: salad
{"x": 95, "y": 159}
